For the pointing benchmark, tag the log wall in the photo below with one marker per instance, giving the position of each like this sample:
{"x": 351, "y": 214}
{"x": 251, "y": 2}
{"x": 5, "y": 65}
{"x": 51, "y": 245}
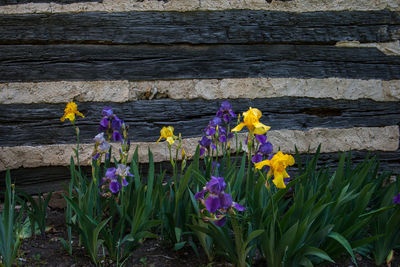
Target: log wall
{"x": 320, "y": 71}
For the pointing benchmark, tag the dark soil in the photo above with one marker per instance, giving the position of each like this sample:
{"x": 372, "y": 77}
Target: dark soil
{"x": 48, "y": 251}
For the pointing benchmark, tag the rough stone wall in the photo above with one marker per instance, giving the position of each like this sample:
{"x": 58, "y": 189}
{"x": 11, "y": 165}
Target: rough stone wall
{"x": 335, "y": 63}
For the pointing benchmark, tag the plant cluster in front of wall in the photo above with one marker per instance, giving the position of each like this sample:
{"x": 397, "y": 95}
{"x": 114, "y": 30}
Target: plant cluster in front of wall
{"x": 244, "y": 207}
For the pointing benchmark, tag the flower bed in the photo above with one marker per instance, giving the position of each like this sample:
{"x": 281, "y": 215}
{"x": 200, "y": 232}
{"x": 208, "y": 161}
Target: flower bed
{"x": 223, "y": 205}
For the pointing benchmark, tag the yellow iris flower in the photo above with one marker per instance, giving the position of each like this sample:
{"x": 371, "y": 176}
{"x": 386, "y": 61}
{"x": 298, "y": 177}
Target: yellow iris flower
{"x": 70, "y": 111}
{"x": 251, "y": 121}
{"x": 277, "y": 165}
{"x": 168, "y": 134}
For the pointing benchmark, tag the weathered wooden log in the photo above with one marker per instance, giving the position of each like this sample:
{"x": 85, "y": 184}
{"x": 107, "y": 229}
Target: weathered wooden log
{"x": 46, "y": 179}
{"x": 225, "y": 27}
{"x": 150, "y": 62}
{"x": 39, "y": 124}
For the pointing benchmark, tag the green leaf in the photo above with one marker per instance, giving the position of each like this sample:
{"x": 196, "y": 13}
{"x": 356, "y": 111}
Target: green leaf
{"x": 318, "y": 253}
{"x": 343, "y": 241}
{"x": 179, "y": 245}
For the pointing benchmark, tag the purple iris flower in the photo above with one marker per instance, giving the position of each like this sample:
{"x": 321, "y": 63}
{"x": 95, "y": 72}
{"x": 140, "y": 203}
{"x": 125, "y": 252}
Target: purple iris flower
{"x": 220, "y": 222}
{"x": 257, "y": 158}
{"x": 212, "y": 203}
{"x": 115, "y": 186}
{"x": 222, "y": 139}
{"x": 266, "y": 148}
{"x": 116, "y": 136}
{"x": 123, "y": 170}
{"x": 205, "y": 142}
{"x": 104, "y": 147}
{"x": 216, "y": 185}
{"x": 225, "y": 112}
{"x": 396, "y": 199}
{"x": 200, "y": 194}
{"x": 225, "y": 200}
{"x": 116, "y": 123}
{"x": 104, "y": 123}
{"x": 239, "y": 207}
{"x": 99, "y": 139}
{"x": 107, "y": 111}
{"x": 261, "y": 138}
{"x": 110, "y": 173}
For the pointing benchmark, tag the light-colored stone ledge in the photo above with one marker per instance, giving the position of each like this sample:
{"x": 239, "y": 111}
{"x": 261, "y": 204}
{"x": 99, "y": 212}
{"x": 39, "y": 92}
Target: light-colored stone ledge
{"x": 390, "y": 48}
{"x": 123, "y": 91}
{"x": 192, "y": 5}
{"x": 332, "y": 140}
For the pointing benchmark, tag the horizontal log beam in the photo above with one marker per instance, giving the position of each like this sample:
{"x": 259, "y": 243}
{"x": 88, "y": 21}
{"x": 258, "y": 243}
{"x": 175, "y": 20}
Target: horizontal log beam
{"x": 22, "y": 63}
{"x": 38, "y": 124}
{"x": 53, "y": 178}
{"x": 216, "y": 27}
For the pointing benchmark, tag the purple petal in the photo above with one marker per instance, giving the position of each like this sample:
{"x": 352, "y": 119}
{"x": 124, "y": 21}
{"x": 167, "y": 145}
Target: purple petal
{"x": 230, "y": 135}
{"x": 99, "y": 138}
{"x": 212, "y": 203}
{"x": 104, "y": 123}
{"x": 200, "y": 194}
{"x": 220, "y": 222}
{"x": 266, "y": 148}
{"x": 104, "y": 147}
{"x": 124, "y": 182}
{"x": 216, "y": 121}
{"x": 226, "y": 105}
{"x": 239, "y": 207}
{"x": 222, "y": 139}
{"x": 256, "y": 158}
{"x": 232, "y": 113}
{"x": 107, "y": 111}
{"x": 210, "y": 130}
{"x": 115, "y": 186}
{"x": 213, "y": 146}
{"x": 396, "y": 199}
{"x": 116, "y": 123}
{"x": 261, "y": 138}
{"x": 110, "y": 173}
{"x": 226, "y": 117}
{"x": 205, "y": 141}
{"x": 216, "y": 185}
{"x": 116, "y": 136}
{"x": 202, "y": 151}
{"x": 95, "y": 157}
{"x": 220, "y": 113}
{"x": 225, "y": 200}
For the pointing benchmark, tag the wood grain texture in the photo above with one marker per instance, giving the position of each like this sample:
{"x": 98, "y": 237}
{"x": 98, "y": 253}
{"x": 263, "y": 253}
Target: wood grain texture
{"x": 153, "y": 62}
{"x": 19, "y": 2}
{"x": 199, "y": 27}
{"x": 39, "y": 124}
{"x": 54, "y": 178}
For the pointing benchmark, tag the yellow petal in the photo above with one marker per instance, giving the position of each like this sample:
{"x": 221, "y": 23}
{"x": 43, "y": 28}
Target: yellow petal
{"x": 260, "y": 128}
{"x": 290, "y": 160}
{"x": 261, "y": 164}
{"x": 159, "y": 139}
{"x": 170, "y": 140}
{"x": 238, "y": 127}
{"x": 278, "y": 180}
{"x": 80, "y": 114}
{"x": 70, "y": 116}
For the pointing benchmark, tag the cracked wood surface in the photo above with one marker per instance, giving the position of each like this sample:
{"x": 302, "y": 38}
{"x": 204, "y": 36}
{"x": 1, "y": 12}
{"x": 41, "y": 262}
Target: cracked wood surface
{"x": 199, "y": 27}
{"x": 22, "y": 63}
